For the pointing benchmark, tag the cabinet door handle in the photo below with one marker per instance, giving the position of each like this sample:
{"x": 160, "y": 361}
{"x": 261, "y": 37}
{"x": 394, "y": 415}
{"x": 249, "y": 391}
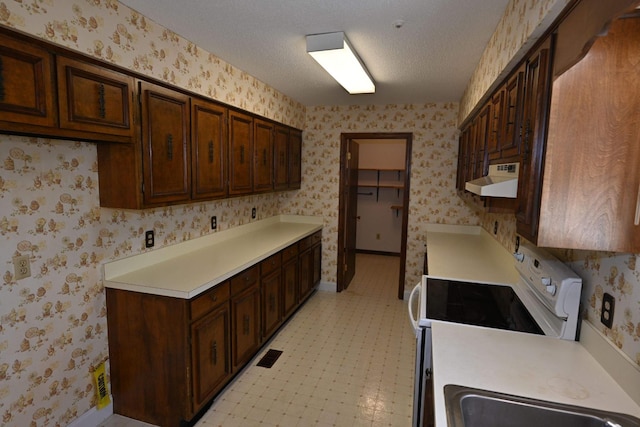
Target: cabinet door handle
{"x": 2, "y": 93}
{"x": 264, "y": 157}
{"x": 281, "y": 159}
{"x": 242, "y": 154}
{"x": 636, "y": 220}
{"x": 272, "y": 302}
{"x": 169, "y": 146}
{"x": 102, "y": 109}
{"x": 214, "y": 352}
{"x": 210, "y": 151}
{"x": 246, "y": 324}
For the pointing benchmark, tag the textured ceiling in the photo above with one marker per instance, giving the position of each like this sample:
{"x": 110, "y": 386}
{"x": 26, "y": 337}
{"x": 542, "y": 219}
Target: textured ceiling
{"x": 429, "y": 59}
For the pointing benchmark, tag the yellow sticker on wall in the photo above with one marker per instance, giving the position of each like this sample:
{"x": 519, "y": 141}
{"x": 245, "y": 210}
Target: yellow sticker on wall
{"x": 100, "y": 381}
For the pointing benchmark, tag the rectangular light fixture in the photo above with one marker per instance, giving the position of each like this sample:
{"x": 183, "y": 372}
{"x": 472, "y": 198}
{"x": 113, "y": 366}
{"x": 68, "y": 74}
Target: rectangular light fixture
{"x": 335, "y": 54}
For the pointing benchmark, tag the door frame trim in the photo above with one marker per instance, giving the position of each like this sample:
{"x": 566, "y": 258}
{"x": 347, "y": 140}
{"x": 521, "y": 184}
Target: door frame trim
{"x": 344, "y": 144}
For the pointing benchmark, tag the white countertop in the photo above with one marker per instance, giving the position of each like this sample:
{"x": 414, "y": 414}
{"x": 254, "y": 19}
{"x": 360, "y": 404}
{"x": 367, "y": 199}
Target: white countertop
{"x": 187, "y": 269}
{"x": 468, "y": 253}
{"x": 521, "y": 364}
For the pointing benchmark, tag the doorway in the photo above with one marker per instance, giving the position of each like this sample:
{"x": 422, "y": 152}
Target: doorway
{"x": 348, "y": 201}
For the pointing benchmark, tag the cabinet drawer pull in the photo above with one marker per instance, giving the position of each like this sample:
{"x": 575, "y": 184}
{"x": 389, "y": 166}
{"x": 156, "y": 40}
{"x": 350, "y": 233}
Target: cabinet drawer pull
{"x": 245, "y": 326}
{"x": 214, "y": 353}
{"x": 214, "y": 297}
{"x": 102, "y": 109}
{"x": 2, "y": 94}
{"x": 169, "y": 146}
{"x": 636, "y": 220}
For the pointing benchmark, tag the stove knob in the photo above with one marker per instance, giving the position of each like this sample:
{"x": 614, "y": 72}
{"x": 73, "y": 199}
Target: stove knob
{"x": 551, "y": 288}
{"x": 518, "y": 256}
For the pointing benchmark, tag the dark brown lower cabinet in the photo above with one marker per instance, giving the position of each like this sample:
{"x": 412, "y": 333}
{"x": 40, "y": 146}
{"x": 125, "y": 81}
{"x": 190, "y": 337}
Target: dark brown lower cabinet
{"x": 245, "y": 316}
{"x": 170, "y": 356}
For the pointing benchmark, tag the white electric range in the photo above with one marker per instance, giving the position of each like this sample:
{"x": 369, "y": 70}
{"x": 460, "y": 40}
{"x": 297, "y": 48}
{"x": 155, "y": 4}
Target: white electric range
{"x": 545, "y": 300}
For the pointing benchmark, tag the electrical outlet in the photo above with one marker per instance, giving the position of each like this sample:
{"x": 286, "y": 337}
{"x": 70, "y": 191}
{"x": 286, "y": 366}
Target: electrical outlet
{"x": 606, "y": 311}
{"x": 253, "y": 213}
{"x": 149, "y": 239}
{"x": 495, "y": 228}
{"x": 21, "y": 267}
{"x": 214, "y": 222}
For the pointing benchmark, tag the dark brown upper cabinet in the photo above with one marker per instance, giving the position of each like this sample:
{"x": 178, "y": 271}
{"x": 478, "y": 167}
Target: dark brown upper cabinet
{"x": 208, "y": 150}
{"x": 240, "y": 153}
{"x": 27, "y": 96}
{"x": 281, "y": 158}
{"x": 263, "y": 134}
{"x": 165, "y": 145}
{"x": 295, "y": 159}
{"x": 94, "y": 99}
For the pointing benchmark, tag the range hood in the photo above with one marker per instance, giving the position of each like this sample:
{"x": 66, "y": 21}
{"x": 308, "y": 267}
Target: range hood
{"x": 502, "y": 181}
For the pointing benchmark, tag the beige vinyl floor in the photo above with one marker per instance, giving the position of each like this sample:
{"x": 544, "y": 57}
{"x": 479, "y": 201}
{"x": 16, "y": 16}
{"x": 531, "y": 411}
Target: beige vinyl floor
{"x": 347, "y": 360}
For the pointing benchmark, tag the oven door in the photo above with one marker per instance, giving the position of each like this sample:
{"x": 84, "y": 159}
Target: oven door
{"x": 422, "y": 390}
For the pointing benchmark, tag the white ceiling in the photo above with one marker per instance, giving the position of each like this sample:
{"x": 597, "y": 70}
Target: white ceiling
{"x": 429, "y": 59}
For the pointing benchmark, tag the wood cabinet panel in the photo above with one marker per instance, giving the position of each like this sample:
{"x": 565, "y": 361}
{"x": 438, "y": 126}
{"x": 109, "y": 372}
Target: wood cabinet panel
{"x": 211, "y": 344}
{"x": 245, "y": 329}
{"x": 590, "y": 197}
{"x": 240, "y": 153}
{"x": 208, "y": 150}
{"x": 512, "y": 117}
{"x": 290, "y": 285}
{"x": 203, "y": 303}
{"x": 148, "y": 338}
{"x": 295, "y": 159}
{"x": 263, "y": 133}
{"x": 165, "y": 142}
{"x": 494, "y": 132}
{"x": 271, "y": 302}
{"x": 27, "y": 97}
{"x": 94, "y": 99}
{"x": 535, "y": 115}
{"x": 281, "y": 158}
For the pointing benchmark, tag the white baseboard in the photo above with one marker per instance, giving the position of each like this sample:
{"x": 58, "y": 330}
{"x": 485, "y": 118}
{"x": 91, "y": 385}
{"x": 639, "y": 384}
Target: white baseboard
{"x": 327, "y": 287}
{"x": 93, "y": 417}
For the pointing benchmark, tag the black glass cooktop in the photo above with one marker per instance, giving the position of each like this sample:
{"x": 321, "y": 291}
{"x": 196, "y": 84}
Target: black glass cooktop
{"x": 492, "y": 306}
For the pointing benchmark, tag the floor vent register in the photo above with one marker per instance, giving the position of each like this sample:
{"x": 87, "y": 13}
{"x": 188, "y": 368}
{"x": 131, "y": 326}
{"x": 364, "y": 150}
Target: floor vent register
{"x": 269, "y": 358}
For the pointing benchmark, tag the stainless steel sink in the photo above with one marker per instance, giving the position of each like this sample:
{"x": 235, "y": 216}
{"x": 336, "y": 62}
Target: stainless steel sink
{"x": 470, "y": 407}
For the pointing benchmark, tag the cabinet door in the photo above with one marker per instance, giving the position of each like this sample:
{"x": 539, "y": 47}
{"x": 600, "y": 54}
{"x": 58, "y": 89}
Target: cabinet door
{"x": 165, "y": 142}
{"x": 295, "y": 158}
{"x": 464, "y": 158}
{"x": 95, "y": 99}
{"x": 262, "y": 155}
{"x": 210, "y": 355}
{"x": 245, "y": 312}
{"x": 281, "y": 160}
{"x": 240, "y": 153}
{"x": 512, "y": 123}
{"x": 536, "y": 108}
{"x": 208, "y": 150}
{"x": 306, "y": 274}
{"x": 481, "y": 135}
{"x": 26, "y": 85}
{"x": 494, "y": 132}
{"x": 316, "y": 267}
{"x": 290, "y": 291}
{"x": 271, "y": 302}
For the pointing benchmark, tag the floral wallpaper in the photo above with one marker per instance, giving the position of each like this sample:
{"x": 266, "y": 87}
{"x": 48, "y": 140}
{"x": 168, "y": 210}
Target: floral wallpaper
{"x": 522, "y": 22}
{"x": 53, "y": 324}
{"x": 53, "y": 330}
{"x": 433, "y": 171}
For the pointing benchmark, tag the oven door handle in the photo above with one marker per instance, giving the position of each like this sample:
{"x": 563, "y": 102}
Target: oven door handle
{"x": 414, "y": 320}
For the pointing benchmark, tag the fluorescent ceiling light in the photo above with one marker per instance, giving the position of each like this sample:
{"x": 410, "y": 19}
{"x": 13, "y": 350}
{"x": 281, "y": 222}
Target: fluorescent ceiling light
{"x": 334, "y": 53}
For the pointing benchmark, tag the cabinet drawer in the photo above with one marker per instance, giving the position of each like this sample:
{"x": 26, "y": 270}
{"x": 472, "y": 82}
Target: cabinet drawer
{"x": 270, "y": 264}
{"x": 202, "y": 304}
{"x": 290, "y": 252}
{"x": 309, "y": 241}
{"x": 245, "y": 279}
